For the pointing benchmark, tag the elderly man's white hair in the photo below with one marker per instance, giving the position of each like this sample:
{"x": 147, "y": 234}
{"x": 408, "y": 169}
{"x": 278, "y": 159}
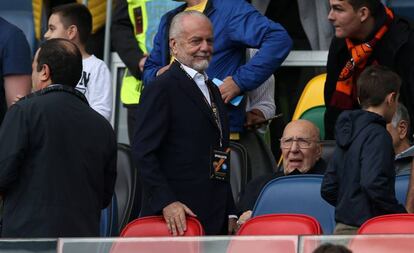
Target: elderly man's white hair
{"x": 400, "y": 114}
{"x": 176, "y": 23}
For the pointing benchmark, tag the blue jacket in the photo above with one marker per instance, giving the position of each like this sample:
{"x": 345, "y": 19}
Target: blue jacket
{"x": 360, "y": 178}
{"x": 237, "y": 25}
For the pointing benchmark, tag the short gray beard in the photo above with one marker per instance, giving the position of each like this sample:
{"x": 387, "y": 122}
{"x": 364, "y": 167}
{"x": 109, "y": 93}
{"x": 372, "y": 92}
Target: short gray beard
{"x": 201, "y": 66}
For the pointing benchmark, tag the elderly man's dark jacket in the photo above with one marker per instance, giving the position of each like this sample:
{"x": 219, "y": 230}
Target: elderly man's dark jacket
{"x": 253, "y": 188}
{"x": 175, "y": 135}
{"x": 57, "y": 167}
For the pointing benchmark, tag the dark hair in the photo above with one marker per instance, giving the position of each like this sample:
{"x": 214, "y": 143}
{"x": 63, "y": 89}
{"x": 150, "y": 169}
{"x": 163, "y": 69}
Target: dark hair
{"x": 372, "y": 5}
{"x": 375, "y": 83}
{"x": 64, "y": 60}
{"x": 78, "y": 15}
{"x": 331, "y": 248}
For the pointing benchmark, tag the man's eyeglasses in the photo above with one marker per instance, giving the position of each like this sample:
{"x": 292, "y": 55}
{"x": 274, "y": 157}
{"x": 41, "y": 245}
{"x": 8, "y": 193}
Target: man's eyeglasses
{"x": 303, "y": 143}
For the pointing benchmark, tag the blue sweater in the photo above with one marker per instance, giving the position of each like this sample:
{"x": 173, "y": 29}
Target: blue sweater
{"x": 237, "y": 25}
{"x": 360, "y": 178}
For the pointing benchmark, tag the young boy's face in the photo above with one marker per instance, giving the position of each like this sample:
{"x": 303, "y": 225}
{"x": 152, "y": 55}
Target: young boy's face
{"x": 56, "y": 29}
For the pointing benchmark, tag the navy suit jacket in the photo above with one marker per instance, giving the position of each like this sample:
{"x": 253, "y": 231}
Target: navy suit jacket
{"x": 174, "y": 136}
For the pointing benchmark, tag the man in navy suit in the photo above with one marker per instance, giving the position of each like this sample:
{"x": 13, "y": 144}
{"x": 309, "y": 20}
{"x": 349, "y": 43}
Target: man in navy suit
{"x": 181, "y": 138}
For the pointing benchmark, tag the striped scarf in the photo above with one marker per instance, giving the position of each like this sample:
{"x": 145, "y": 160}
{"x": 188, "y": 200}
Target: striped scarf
{"x": 344, "y": 98}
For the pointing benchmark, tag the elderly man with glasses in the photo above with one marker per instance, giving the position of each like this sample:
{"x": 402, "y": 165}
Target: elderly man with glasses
{"x": 301, "y": 151}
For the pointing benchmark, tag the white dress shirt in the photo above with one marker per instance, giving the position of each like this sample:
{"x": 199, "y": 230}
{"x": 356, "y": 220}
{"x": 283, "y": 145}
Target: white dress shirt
{"x": 199, "y": 79}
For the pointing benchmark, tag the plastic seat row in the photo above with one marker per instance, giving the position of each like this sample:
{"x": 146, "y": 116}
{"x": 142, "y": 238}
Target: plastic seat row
{"x": 300, "y": 194}
{"x": 285, "y": 225}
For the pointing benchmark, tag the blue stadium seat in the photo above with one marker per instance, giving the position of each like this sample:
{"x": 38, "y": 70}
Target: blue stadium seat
{"x": 24, "y": 21}
{"x": 109, "y": 219}
{"x": 296, "y": 194}
{"x": 126, "y": 186}
{"x": 401, "y": 187}
{"x": 403, "y": 8}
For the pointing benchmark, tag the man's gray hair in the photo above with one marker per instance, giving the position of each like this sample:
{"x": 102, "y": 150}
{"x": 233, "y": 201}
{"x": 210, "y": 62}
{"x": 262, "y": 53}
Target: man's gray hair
{"x": 176, "y": 23}
{"x": 400, "y": 114}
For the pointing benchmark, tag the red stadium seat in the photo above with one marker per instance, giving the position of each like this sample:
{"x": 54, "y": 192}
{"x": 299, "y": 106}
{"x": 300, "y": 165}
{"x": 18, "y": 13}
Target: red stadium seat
{"x": 281, "y": 224}
{"x": 156, "y": 226}
{"x": 389, "y": 224}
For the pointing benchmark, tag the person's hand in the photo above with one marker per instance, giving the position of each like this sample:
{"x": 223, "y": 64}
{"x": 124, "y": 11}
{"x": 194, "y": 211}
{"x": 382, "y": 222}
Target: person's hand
{"x": 174, "y": 215}
{"x": 163, "y": 69}
{"x": 232, "y": 226}
{"x": 243, "y": 218}
{"x": 142, "y": 62}
{"x": 229, "y": 89}
{"x": 253, "y": 119}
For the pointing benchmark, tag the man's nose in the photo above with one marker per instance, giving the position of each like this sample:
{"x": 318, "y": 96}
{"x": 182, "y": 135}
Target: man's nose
{"x": 294, "y": 147}
{"x": 330, "y": 15}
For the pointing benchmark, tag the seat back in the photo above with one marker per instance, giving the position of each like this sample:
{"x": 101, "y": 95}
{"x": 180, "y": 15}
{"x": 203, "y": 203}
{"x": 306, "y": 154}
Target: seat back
{"x": 402, "y": 223}
{"x": 126, "y": 183}
{"x": 261, "y": 159}
{"x": 152, "y": 226}
{"x": 401, "y": 188}
{"x": 281, "y": 224}
{"x": 155, "y": 226}
{"x": 296, "y": 194}
{"x": 312, "y": 96}
{"x": 403, "y": 8}
{"x": 328, "y": 148}
{"x": 316, "y": 116}
{"x": 109, "y": 219}
{"x": 239, "y": 165}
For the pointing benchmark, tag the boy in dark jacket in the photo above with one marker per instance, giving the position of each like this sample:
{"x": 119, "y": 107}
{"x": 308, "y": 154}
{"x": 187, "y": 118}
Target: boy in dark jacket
{"x": 360, "y": 178}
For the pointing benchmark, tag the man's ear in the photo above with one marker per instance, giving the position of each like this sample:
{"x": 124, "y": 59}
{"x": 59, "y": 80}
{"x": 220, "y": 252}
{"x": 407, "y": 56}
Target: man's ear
{"x": 391, "y": 98}
{"x": 45, "y": 73}
{"x": 72, "y": 32}
{"x": 363, "y": 13}
{"x": 402, "y": 129}
{"x": 173, "y": 46}
{"x": 318, "y": 153}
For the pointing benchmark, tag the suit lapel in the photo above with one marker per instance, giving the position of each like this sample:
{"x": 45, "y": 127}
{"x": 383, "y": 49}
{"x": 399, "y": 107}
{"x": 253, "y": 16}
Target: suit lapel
{"x": 190, "y": 88}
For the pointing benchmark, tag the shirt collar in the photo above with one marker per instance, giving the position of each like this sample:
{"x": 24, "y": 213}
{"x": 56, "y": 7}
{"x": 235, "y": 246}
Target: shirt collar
{"x": 193, "y": 73}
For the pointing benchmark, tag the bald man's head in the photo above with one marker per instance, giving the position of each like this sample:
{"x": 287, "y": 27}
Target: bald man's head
{"x": 300, "y": 146}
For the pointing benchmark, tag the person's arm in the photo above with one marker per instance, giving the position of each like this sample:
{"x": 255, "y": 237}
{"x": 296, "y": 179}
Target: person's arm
{"x": 100, "y": 91}
{"x": 409, "y": 205}
{"x": 329, "y": 187}
{"x": 14, "y": 136}
{"x": 16, "y": 86}
{"x": 123, "y": 39}
{"x": 16, "y": 65}
{"x": 155, "y": 61}
{"x": 248, "y": 27}
{"x": 378, "y": 173}
{"x": 261, "y": 104}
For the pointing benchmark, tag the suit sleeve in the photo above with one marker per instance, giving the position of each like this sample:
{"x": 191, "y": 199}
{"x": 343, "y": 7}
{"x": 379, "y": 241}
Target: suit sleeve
{"x": 151, "y": 129}
{"x": 123, "y": 38}
{"x": 14, "y": 145}
{"x": 329, "y": 186}
{"x": 257, "y": 31}
{"x": 378, "y": 174}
